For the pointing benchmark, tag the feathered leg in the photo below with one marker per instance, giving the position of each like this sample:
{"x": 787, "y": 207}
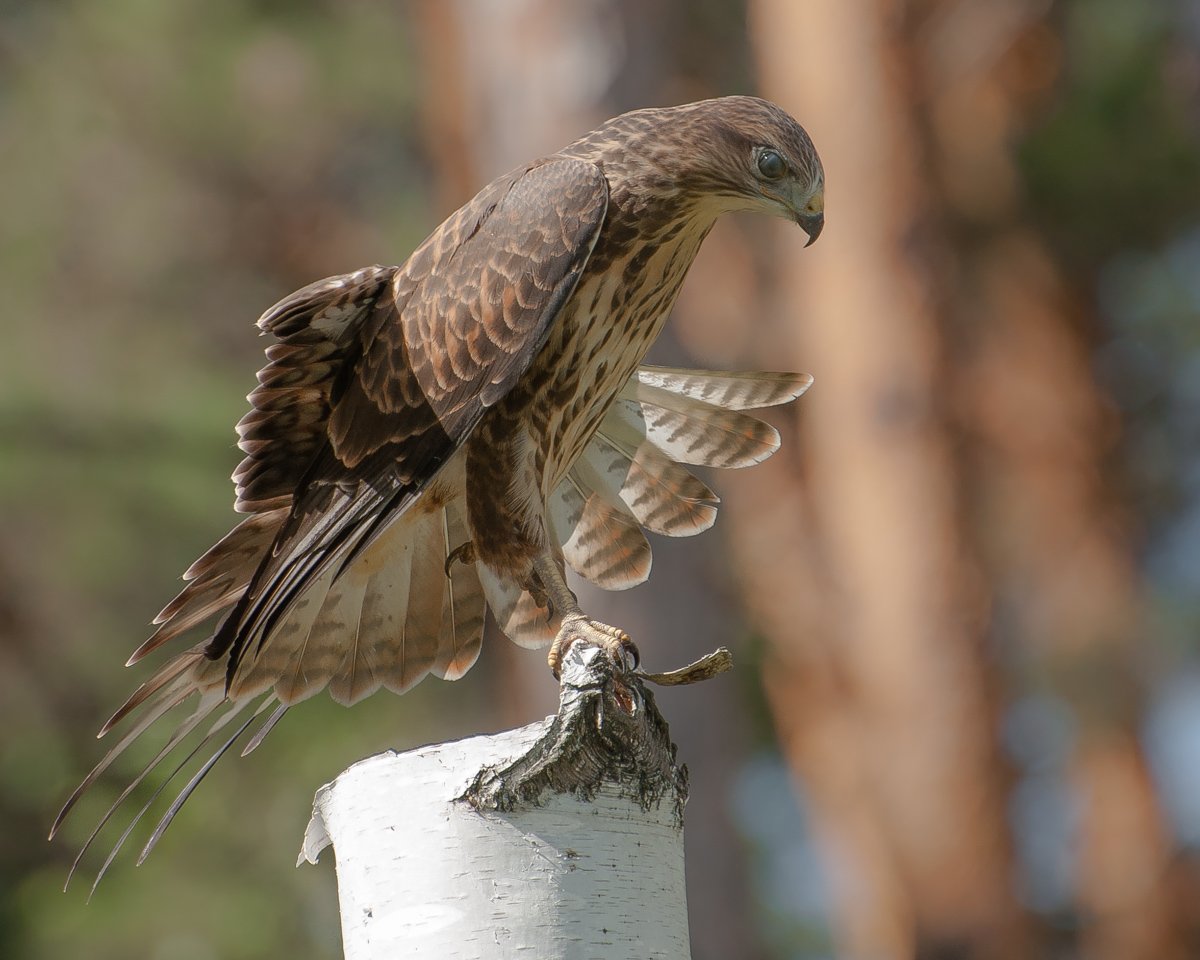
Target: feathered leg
{"x": 575, "y": 625}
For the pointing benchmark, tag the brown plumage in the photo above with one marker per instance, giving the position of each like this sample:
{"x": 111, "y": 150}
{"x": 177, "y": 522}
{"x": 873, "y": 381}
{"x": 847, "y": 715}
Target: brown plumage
{"x": 434, "y": 439}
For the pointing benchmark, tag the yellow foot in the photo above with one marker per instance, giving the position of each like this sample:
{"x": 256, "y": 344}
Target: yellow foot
{"x": 613, "y": 641}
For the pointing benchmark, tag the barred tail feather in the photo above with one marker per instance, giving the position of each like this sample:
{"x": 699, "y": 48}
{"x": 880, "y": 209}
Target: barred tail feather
{"x": 337, "y": 653}
{"x": 278, "y": 662}
{"x": 216, "y": 580}
{"x": 385, "y": 605}
{"x": 463, "y": 604}
{"x": 388, "y": 620}
{"x": 391, "y": 618}
{"x": 423, "y": 619}
{"x": 356, "y": 676}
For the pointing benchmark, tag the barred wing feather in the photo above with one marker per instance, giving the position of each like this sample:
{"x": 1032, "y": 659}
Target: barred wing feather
{"x": 631, "y": 474}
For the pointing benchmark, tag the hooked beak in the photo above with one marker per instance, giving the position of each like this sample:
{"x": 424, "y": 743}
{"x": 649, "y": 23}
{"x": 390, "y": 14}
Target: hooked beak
{"x": 811, "y": 216}
{"x": 812, "y": 224}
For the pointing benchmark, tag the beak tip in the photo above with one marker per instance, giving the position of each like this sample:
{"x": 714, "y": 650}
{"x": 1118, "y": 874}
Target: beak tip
{"x": 812, "y": 224}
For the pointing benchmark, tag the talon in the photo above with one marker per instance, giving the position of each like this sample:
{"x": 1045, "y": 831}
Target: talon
{"x": 463, "y": 553}
{"x": 629, "y": 649}
{"x": 614, "y": 641}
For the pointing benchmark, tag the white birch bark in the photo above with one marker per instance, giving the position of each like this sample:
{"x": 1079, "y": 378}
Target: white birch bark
{"x": 562, "y": 839}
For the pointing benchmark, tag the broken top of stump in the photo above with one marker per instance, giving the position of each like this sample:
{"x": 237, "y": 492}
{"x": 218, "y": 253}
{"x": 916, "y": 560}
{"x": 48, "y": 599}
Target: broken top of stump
{"x": 607, "y": 730}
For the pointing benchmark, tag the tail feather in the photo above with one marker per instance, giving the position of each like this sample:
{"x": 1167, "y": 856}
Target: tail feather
{"x": 378, "y": 623}
{"x": 356, "y": 676}
{"x": 216, "y": 580}
{"x": 385, "y": 606}
{"x": 279, "y": 661}
{"x": 463, "y": 605}
{"x": 337, "y": 655}
{"x": 423, "y": 623}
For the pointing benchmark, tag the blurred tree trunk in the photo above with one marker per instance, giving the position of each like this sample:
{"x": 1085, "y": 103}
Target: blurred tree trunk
{"x": 954, "y": 434}
{"x": 1056, "y": 541}
{"x": 892, "y": 722}
{"x": 1040, "y": 434}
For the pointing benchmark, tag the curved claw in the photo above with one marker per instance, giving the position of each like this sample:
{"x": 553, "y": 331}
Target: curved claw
{"x": 614, "y": 641}
{"x": 463, "y": 553}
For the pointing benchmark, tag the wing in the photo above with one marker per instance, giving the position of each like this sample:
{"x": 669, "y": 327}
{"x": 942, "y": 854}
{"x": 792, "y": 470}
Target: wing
{"x": 376, "y": 379}
{"x": 631, "y": 478}
{"x": 448, "y": 337}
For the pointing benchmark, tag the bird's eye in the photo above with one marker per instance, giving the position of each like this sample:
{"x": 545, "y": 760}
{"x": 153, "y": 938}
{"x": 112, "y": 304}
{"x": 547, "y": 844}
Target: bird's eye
{"x": 771, "y": 165}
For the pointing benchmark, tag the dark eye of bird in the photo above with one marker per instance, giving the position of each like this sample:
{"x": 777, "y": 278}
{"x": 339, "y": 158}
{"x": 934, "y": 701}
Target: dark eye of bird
{"x": 771, "y": 165}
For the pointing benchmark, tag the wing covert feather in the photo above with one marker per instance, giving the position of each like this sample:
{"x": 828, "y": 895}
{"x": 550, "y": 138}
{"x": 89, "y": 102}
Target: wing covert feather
{"x": 461, "y": 322}
{"x": 473, "y": 305}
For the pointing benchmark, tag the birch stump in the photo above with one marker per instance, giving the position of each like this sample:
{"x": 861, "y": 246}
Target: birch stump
{"x": 562, "y": 839}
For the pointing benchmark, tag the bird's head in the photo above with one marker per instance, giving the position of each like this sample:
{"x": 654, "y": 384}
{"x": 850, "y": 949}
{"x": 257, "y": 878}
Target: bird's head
{"x": 713, "y": 157}
{"x": 754, "y": 156}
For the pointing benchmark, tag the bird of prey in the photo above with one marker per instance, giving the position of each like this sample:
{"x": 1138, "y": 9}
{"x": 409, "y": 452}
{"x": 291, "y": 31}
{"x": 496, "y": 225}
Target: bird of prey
{"x": 446, "y": 436}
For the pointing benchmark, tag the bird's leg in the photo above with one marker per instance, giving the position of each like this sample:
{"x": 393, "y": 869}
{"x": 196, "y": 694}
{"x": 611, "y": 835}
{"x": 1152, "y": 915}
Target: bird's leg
{"x": 575, "y": 625}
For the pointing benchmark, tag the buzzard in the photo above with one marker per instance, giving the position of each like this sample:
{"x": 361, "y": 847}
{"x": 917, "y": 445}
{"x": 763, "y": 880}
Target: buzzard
{"x": 432, "y": 440}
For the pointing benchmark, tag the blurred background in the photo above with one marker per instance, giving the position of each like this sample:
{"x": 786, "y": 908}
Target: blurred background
{"x": 964, "y": 598}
